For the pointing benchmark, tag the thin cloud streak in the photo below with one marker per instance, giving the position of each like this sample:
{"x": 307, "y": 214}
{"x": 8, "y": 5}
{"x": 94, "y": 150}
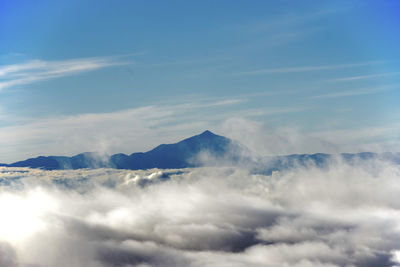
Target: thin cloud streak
{"x": 288, "y": 20}
{"x": 212, "y": 103}
{"x": 364, "y": 77}
{"x": 272, "y": 111}
{"x": 40, "y": 70}
{"x": 308, "y": 68}
{"x": 357, "y": 92}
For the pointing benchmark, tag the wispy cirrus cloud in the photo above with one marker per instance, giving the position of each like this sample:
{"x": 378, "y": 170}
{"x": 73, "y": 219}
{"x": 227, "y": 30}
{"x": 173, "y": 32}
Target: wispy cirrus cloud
{"x": 364, "y": 77}
{"x": 288, "y": 20}
{"x": 295, "y": 69}
{"x": 355, "y": 92}
{"x": 40, "y": 70}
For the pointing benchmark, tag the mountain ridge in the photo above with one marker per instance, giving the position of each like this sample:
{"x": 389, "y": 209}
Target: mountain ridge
{"x": 177, "y": 155}
{"x": 205, "y": 149}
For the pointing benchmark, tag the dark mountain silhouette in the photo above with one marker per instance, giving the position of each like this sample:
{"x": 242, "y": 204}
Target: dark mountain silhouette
{"x": 205, "y": 149}
{"x": 83, "y": 160}
{"x": 186, "y": 153}
{"x": 199, "y": 150}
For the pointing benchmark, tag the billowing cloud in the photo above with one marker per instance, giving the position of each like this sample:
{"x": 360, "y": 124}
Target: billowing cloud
{"x": 265, "y": 140}
{"x": 341, "y": 215}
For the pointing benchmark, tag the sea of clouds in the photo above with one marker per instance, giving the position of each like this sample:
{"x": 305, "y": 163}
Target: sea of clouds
{"x": 340, "y": 215}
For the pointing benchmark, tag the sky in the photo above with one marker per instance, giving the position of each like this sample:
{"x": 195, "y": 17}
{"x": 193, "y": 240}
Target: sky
{"x": 125, "y": 76}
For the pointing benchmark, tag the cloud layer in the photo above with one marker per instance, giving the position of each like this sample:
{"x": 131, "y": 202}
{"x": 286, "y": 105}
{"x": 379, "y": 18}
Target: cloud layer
{"x": 339, "y": 216}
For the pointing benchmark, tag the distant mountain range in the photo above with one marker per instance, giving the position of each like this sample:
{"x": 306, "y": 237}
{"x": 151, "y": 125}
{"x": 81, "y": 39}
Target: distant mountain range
{"x": 205, "y": 149}
{"x": 199, "y": 150}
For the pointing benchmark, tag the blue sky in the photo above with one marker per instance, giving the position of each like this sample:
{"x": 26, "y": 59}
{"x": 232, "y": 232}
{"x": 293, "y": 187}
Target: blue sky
{"x": 123, "y": 76}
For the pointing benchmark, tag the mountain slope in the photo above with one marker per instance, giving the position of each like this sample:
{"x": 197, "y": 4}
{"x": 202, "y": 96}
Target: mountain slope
{"x": 198, "y": 150}
{"x": 83, "y": 160}
{"x": 195, "y": 151}
{"x": 205, "y": 149}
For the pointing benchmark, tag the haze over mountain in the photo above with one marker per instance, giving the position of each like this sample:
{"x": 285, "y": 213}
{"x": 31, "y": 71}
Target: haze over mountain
{"x": 205, "y": 149}
{"x": 198, "y": 150}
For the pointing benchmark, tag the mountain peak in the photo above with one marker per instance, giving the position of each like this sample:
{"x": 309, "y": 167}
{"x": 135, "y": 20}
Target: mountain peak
{"x": 207, "y": 133}
{"x": 178, "y": 155}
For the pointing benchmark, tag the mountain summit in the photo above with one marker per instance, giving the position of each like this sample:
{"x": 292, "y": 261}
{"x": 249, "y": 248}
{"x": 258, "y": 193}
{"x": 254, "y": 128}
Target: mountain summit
{"x": 204, "y": 149}
{"x": 185, "y": 153}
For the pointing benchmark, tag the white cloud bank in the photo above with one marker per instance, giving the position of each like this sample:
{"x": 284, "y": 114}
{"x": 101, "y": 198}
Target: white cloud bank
{"x": 340, "y": 216}
{"x": 266, "y": 140}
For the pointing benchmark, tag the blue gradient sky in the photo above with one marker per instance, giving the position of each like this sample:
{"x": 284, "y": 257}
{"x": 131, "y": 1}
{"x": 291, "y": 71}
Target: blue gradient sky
{"x": 155, "y": 71}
